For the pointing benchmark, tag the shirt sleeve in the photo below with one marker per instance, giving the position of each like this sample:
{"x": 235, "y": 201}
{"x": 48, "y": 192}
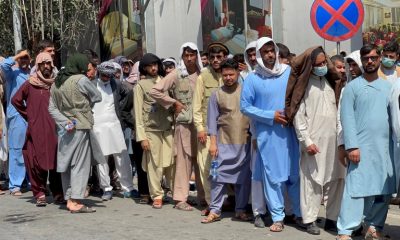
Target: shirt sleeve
{"x": 301, "y": 125}
{"x": 395, "y": 111}
{"x": 212, "y": 115}
{"x": 339, "y": 127}
{"x": 348, "y": 119}
{"x": 138, "y": 103}
{"x": 89, "y": 89}
{"x": 160, "y": 90}
{"x": 197, "y": 99}
{"x": 247, "y": 105}
{"x": 19, "y": 100}
{"x": 54, "y": 112}
{"x": 7, "y": 69}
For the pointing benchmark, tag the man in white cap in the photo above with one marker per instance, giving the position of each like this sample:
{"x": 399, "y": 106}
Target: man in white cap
{"x": 277, "y": 162}
{"x": 181, "y": 82}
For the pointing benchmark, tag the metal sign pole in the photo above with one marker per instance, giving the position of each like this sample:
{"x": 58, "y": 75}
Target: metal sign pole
{"x": 338, "y": 47}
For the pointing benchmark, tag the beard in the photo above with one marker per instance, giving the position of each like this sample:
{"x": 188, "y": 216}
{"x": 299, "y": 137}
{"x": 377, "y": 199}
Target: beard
{"x": 46, "y": 73}
{"x": 371, "y": 69}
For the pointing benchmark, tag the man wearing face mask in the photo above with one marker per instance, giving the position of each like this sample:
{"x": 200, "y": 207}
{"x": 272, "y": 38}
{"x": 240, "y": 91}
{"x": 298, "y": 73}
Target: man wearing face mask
{"x": 389, "y": 70}
{"x": 321, "y": 174}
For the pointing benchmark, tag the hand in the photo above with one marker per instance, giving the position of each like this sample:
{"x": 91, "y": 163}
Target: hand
{"x": 242, "y": 67}
{"x": 202, "y": 137}
{"x": 178, "y": 107}
{"x": 280, "y": 118}
{"x": 23, "y": 53}
{"x": 213, "y": 150}
{"x": 254, "y": 143}
{"x": 354, "y": 155}
{"x": 312, "y": 149}
{"x": 145, "y": 145}
{"x": 342, "y": 155}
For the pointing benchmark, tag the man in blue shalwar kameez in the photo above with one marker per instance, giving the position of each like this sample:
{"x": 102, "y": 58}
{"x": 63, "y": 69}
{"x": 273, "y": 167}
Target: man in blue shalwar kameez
{"x": 370, "y": 177}
{"x": 263, "y": 101}
{"x": 16, "y": 125}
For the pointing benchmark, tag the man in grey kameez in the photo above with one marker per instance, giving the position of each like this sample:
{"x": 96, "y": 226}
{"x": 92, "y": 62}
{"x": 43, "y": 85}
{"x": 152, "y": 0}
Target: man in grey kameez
{"x": 72, "y": 98}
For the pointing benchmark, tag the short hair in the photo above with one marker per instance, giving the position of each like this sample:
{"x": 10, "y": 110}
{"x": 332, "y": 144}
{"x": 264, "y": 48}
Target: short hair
{"x": 92, "y": 56}
{"x": 284, "y": 51}
{"x": 367, "y": 48}
{"x": 391, "y": 46}
{"x": 239, "y": 58}
{"x": 44, "y": 43}
{"x": 218, "y": 49}
{"x": 189, "y": 49}
{"x": 204, "y": 54}
{"x": 230, "y": 63}
{"x": 339, "y": 58}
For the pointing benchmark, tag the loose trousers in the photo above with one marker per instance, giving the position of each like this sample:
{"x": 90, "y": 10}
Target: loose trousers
{"x": 124, "y": 171}
{"x": 352, "y": 211}
{"x": 16, "y": 138}
{"x": 274, "y": 196}
{"x": 158, "y": 161}
{"x": 259, "y": 206}
{"x": 204, "y": 163}
{"x": 218, "y": 191}
{"x": 311, "y": 194}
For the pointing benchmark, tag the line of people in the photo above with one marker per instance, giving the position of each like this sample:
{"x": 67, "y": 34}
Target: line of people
{"x": 284, "y": 133}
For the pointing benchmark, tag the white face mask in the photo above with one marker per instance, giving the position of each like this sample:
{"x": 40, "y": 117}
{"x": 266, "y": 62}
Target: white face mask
{"x": 320, "y": 71}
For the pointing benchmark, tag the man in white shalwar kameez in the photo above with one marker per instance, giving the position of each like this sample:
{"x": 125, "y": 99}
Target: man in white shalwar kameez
{"x": 108, "y": 131}
{"x": 321, "y": 174}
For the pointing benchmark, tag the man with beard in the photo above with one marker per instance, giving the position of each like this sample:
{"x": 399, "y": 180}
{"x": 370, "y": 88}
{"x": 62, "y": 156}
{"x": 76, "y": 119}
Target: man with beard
{"x": 40, "y": 149}
{"x": 312, "y": 95}
{"x": 370, "y": 176}
{"x": 16, "y": 124}
{"x": 153, "y": 129}
{"x": 181, "y": 83}
{"x": 263, "y": 101}
{"x": 209, "y": 80}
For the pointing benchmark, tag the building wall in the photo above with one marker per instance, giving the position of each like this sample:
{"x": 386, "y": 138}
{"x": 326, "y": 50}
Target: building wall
{"x": 170, "y": 23}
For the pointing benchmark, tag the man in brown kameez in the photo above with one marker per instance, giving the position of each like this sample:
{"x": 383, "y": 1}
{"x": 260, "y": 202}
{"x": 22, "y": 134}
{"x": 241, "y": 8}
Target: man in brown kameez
{"x": 182, "y": 82}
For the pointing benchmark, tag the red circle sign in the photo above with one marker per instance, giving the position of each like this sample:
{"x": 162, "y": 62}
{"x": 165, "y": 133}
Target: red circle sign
{"x": 337, "y": 20}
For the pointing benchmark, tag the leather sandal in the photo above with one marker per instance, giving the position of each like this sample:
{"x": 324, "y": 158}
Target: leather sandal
{"x": 242, "y": 216}
{"x": 157, "y": 203}
{"x": 184, "y": 206}
{"x": 277, "y": 226}
{"x": 41, "y": 201}
{"x": 212, "y": 217}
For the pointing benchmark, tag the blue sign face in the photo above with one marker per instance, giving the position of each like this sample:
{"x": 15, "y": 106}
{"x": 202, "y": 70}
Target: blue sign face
{"x": 337, "y": 20}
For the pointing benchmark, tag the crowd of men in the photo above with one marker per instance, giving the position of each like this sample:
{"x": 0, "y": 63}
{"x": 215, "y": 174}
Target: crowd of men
{"x": 284, "y": 133}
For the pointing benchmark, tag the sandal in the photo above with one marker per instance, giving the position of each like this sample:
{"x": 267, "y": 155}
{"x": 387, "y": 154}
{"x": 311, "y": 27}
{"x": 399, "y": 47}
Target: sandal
{"x": 41, "y": 201}
{"x": 373, "y": 234}
{"x": 145, "y": 199}
{"x": 343, "y": 237}
{"x": 84, "y": 209}
{"x": 212, "y": 217}
{"x": 242, "y": 216}
{"x": 205, "y": 212}
{"x": 2, "y": 192}
{"x": 191, "y": 202}
{"x": 16, "y": 193}
{"x": 184, "y": 206}
{"x": 277, "y": 227}
{"x": 157, "y": 203}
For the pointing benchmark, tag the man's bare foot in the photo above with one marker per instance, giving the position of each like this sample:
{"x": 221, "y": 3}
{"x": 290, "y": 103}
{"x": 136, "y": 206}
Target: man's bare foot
{"x": 74, "y": 205}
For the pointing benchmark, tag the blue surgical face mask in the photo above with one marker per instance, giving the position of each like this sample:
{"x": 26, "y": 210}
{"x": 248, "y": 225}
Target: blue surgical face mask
{"x": 320, "y": 71}
{"x": 387, "y": 62}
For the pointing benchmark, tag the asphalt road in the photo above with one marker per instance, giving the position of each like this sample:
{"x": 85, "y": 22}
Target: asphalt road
{"x": 125, "y": 219}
